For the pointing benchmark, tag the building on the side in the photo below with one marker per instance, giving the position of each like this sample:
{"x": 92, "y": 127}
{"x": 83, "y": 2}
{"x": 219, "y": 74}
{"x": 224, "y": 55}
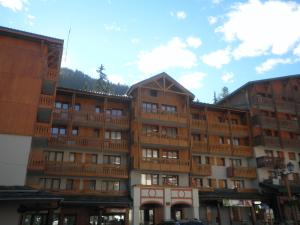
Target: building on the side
{"x": 29, "y": 66}
{"x": 274, "y": 106}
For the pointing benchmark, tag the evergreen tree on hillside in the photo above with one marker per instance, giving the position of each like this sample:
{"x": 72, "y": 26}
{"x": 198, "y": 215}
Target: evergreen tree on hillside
{"x": 103, "y": 84}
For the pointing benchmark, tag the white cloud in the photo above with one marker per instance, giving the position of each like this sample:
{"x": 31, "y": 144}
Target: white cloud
{"x": 15, "y": 5}
{"x": 216, "y": 1}
{"x": 262, "y": 27}
{"x": 297, "y": 51}
{"x": 174, "y": 54}
{"x": 181, "y": 15}
{"x": 212, "y": 20}
{"x": 227, "y": 77}
{"x": 194, "y": 42}
{"x": 217, "y": 58}
{"x": 192, "y": 80}
{"x": 30, "y": 19}
{"x": 112, "y": 27}
{"x": 135, "y": 40}
{"x": 271, "y": 63}
{"x": 116, "y": 78}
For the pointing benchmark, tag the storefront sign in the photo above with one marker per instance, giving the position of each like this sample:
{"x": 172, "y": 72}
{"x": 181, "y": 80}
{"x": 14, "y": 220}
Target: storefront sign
{"x": 237, "y": 203}
{"x": 115, "y": 210}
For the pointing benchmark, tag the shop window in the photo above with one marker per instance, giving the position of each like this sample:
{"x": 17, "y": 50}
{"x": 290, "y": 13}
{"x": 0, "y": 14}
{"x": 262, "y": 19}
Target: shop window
{"x": 149, "y": 179}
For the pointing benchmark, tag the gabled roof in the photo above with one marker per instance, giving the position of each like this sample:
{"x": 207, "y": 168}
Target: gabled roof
{"x": 248, "y": 84}
{"x": 157, "y": 77}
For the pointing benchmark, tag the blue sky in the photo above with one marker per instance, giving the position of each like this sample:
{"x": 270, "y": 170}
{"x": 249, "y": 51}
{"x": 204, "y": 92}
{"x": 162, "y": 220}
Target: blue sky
{"x": 204, "y": 44}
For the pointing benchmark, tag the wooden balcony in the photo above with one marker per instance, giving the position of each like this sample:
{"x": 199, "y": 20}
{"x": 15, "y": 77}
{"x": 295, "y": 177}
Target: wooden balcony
{"x": 159, "y": 164}
{"x": 46, "y": 101}
{"x": 35, "y": 165}
{"x": 241, "y": 172}
{"x": 239, "y": 130}
{"x": 218, "y": 128}
{"x": 270, "y": 162}
{"x": 165, "y": 116}
{"x": 158, "y": 139}
{"x": 263, "y": 102}
{"x": 198, "y": 124}
{"x": 90, "y": 118}
{"x": 285, "y": 106}
{"x": 270, "y": 141}
{"x": 247, "y": 190}
{"x": 293, "y": 144}
{"x": 52, "y": 74}
{"x": 85, "y": 170}
{"x": 222, "y": 149}
{"x": 265, "y": 122}
{"x": 89, "y": 142}
{"x": 289, "y": 125}
{"x": 42, "y": 130}
{"x": 201, "y": 169}
{"x": 199, "y": 147}
{"x": 243, "y": 151}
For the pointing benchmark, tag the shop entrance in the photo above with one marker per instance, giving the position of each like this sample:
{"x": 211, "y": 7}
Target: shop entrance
{"x": 181, "y": 211}
{"x": 151, "y": 214}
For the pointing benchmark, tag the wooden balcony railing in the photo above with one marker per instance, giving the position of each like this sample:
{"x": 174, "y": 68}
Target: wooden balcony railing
{"x": 85, "y": 169}
{"x": 52, "y": 74}
{"x": 89, "y": 142}
{"x": 263, "y": 102}
{"x": 289, "y": 125}
{"x": 291, "y": 144}
{"x": 165, "y": 116}
{"x": 201, "y": 169}
{"x": 247, "y": 190}
{"x": 219, "y": 128}
{"x": 241, "y": 172}
{"x": 243, "y": 151}
{"x": 223, "y": 149}
{"x": 199, "y": 124}
{"x": 285, "y": 106}
{"x": 199, "y": 147}
{"x": 35, "y": 165}
{"x": 42, "y": 130}
{"x": 271, "y": 141}
{"x": 156, "y": 138}
{"x": 46, "y": 101}
{"x": 239, "y": 130}
{"x": 270, "y": 162}
{"x": 173, "y": 165}
{"x": 90, "y": 118}
{"x": 264, "y": 121}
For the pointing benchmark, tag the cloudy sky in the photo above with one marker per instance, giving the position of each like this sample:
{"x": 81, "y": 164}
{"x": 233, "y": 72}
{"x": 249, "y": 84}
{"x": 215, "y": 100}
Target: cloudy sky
{"x": 204, "y": 44}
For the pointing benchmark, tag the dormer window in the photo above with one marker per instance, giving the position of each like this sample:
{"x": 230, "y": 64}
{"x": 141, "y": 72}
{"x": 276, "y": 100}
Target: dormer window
{"x": 153, "y": 93}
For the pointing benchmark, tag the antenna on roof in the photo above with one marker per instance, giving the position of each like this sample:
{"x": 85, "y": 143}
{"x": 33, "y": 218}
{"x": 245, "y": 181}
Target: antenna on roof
{"x": 67, "y": 44}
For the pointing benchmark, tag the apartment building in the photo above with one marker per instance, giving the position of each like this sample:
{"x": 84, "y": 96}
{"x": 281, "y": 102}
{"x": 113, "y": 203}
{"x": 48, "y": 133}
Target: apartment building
{"x": 29, "y": 66}
{"x": 274, "y": 106}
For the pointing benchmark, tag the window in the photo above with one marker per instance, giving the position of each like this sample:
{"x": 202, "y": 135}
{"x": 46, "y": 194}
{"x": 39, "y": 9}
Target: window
{"x": 149, "y": 153}
{"x": 169, "y": 132}
{"x": 221, "y": 140}
{"x": 112, "y": 159}
{"x": 70, "y": 184}
{"x": 236, "y": 141}
{"x": 110, "y": 186}
{"x": 220, "y": 161}
{"x": 149, "y": 129}
{"x": 197, "y": 159}
{"x": 170, "y": 155}
{"x": 196, "y": 137}
{"x": 97, "y": 109}
{"x": 171, "y": 180}
{"x": 50, "y": 183}
{"x": 236, "y": 162}
{"x": 234, "y": 121}
{"x": 169, "y": 108}
{"x": 92, "y": 185}
{"x": 269, "y": 153}
{"x": 114, "y": 112}
{"x": 93, "y": 220}
{"x": 210, "y": 182}
{"x": 153, "y": 93}
{"x": 77, "y": 107}
{"x": 71, "y": 157}
{"x": 113, "y": 135}
{"x": 149, "y": 107}
{"x": 239, "y": 183}
{"x": 54, "y": 156}
{"x": 222, "y": 120}
{"x": 58, "y": 131}
{"x": 96, "y": 132}
{"x": 75, "y": 157}
{"x": 209, "y": 160}
{"x": 195, "y": 116}
{"x": 94, "y": 158}
{"x": 280, "y": 154}
{"x": 149, "y": 179}
{"x": 197, "y": 182}
{"x": 222, "y": 183}
{"x": 75, "y": 131}
{"x": 69, "y": 220}
{"x": 292, "y": 156}
{"x": 60, "y": 105}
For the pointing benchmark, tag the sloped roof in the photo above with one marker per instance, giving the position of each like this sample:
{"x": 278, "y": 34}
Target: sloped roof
{"x": 161, "y": 75}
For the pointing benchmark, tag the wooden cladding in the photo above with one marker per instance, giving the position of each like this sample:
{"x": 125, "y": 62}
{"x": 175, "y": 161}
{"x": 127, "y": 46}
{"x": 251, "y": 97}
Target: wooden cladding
{"x": 90, "y": 118}
{"x": 156, "y": 138}
{"x": 173, "y": 165}
{"x": 42, "y": 130}
{"x": 89, "y": 142}
{"x": 165, "y": 116}
{"x": 46, "y": 101}
{"x": 270, "y": 162}
{"x": 201, "y": 169}
{"x": 241, "y": 172}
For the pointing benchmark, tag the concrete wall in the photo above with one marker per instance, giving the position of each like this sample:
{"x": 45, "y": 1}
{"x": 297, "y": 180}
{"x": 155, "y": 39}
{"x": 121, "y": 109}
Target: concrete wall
{"x": 9, "y": 214}
{"x": 14, "y": 152}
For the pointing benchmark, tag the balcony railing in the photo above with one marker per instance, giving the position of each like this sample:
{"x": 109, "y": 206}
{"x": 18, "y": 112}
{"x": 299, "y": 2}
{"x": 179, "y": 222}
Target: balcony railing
{"x": 241, "y": 172}
{"x": 165, "y": 116}
{"x": 239, "y": 130}
{"x": 173, "y": 165}
{"x": 36, "y": 165}
{"x": 46, "y": 101}
{"x": 243, "y": 151}
{"x": 42, "y": 130}
{"x": 263, "y": 102}
{"x": 200, "y": 147}
{"x": 285, "y": 106}
{"x": 219, "y": 128}
{"x": 291, "y": 144}
{"x": 270, "y": 162}
{"x": 156, "y": 138}
{"x": 52, "y": 74}
{"x": 264, "y": 121}
{"x": 90, "y": 118}
{"x": 85, "y": 169}
{"x": 267, "y": 141}
{"x": 201, "y": 169}
{"x": 199, "y": 124}
{"x": 289, "y": 125}
{"x": 223, "y": 149}
{"x": 89, "y": 142}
